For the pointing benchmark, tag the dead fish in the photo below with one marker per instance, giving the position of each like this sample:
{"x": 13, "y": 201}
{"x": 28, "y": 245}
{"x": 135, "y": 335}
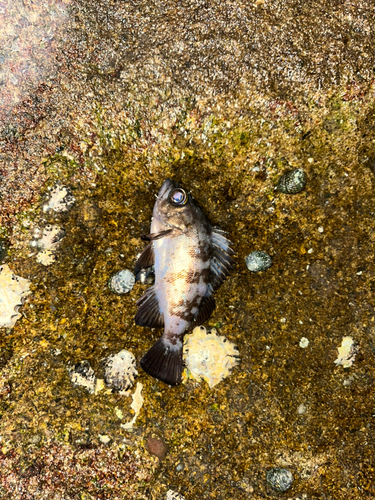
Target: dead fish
{"x": 191, "y": 259}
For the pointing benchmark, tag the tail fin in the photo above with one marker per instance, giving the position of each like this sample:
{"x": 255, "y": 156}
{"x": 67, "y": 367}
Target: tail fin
{"x": 164, "y": 362}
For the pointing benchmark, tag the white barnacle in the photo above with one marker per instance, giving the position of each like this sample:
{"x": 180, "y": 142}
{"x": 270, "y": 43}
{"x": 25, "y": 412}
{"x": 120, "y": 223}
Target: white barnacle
{"x": 120, "y": 371}
{"x": 347, "y": 352}
{"x": 13, "y": 291}
{"x": 209, "y": 356}
{"x": 48, "y": 244}
{"x": 82, "y": 375}
{"x": 61, "y": 200}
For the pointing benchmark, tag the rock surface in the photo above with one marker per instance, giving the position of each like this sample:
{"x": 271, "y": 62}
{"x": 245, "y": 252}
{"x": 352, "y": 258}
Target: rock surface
{"x": 109, "y": 98}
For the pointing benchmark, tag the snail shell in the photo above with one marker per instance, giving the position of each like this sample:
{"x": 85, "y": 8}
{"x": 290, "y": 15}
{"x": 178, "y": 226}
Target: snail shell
{"x": 121, "y": 282}
{"x": 292, "y": 182}
{"x": 258, "y": 261}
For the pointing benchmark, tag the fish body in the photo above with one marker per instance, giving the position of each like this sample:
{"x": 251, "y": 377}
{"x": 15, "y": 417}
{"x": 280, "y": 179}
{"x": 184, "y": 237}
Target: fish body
{"x": 191, "y": 258}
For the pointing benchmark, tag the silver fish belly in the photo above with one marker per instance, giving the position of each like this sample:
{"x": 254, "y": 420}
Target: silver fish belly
{"x": 191, "y": 259}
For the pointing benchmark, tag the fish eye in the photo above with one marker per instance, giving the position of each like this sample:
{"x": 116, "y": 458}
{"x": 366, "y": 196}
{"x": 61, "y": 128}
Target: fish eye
{"x": 178, "y": 197}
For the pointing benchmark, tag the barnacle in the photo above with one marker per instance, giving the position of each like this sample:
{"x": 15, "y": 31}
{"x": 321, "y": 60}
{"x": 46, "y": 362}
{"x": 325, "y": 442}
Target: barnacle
{"x": 120, "y": 371}
{"x": 209, "y": 356}
{"x": 13, "y": 290}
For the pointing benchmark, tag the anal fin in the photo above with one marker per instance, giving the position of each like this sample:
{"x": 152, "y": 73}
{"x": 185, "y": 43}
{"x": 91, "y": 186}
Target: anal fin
{"x": 206, "y": 308}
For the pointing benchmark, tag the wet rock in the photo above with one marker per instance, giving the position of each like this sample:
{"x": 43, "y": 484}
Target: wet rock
{"x": 156, "y": 446}
{"x": 5, "y": 355}
{"x": 258, "y": 261}
{"x": 3, "y": 250}
{"x": 121, "y": 282}
{"x": 279, "y": 479}
{"x": 322, "y": 278}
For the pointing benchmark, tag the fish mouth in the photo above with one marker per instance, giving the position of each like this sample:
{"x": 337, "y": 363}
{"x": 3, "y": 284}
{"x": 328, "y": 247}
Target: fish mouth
{"x": 168, "y": 184}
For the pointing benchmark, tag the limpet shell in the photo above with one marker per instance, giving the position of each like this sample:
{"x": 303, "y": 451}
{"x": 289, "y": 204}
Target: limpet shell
{"x": 292, "y": 182}
{"x": 258, "y": 261}
{"x": 121, "y": 282}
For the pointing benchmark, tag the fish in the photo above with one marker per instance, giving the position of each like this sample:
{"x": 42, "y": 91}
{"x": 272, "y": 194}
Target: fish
{"x": 191, "y": 259}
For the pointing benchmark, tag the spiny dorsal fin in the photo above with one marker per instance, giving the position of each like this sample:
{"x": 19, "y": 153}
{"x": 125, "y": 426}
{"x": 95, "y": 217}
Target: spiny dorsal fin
{"x": 148, "y": 313}
{"x": 222, "y": 261}
{"x": 146, "y": 259}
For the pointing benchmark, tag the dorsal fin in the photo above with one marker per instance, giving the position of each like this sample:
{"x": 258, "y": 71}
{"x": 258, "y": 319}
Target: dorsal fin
{"x": 222, "y": 261}
{"x": 148, "y": 313}
{"x": 145, "y": 260}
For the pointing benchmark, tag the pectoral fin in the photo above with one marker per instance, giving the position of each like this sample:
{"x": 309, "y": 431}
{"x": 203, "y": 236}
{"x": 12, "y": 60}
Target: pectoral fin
{"x": 146, "y": 259}
{"x": 156, "y": 236}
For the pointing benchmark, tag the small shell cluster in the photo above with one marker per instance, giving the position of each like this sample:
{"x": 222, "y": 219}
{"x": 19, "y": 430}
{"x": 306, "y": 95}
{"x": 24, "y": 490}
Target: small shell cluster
{"x": 347, "y": 352}
{"x": 292, "y": 182}
{"x": 61, "y": 200}
{"x": 209, "y": 356}
{"x": 258, "y": 261}
{"x": 13, "y": 291}
{"x": 121, "y": 282}
{"x": 82, "y": 375}
{"x": 48, "y": 243}
{"x": 120, "y": 371}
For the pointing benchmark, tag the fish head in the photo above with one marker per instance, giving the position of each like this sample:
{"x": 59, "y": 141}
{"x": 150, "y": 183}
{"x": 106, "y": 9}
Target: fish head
{"x": 174, "y": 207}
